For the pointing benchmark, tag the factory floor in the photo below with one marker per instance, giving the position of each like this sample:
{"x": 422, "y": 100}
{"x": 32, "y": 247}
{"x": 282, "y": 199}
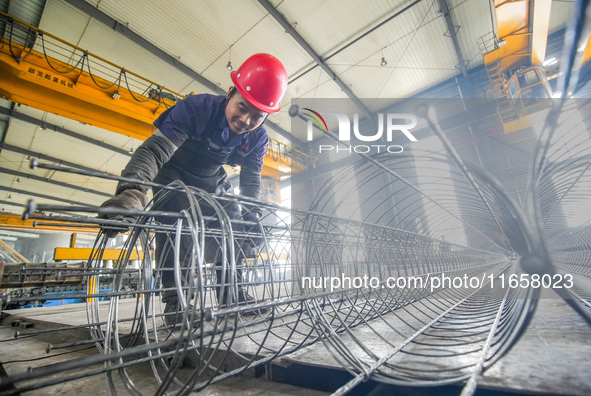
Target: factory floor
{"x": 552, "y": 357}
{"x": 16, "y": 356}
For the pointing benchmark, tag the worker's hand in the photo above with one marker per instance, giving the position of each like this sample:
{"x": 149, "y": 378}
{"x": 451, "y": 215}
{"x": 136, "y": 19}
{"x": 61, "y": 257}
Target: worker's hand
{"x": 250, "y": 246}
{"x": 130, "y": 199}
{"x": 252, "y": 214}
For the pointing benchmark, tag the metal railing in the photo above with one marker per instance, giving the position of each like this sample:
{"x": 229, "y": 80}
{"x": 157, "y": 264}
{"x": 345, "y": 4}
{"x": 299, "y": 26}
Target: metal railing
{"x": 22, "y": 40}
{"x": 293, "y": 158}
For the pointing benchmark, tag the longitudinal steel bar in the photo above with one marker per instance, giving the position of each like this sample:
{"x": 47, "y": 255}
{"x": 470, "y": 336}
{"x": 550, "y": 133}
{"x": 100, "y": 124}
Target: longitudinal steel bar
{"x": 34, "y": 164}
{"x": 366, "y": 374}
{"x": 472, "y": 383}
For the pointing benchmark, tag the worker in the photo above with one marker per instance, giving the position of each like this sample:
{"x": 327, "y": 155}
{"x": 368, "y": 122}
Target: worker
{"x": 193, "y": 139}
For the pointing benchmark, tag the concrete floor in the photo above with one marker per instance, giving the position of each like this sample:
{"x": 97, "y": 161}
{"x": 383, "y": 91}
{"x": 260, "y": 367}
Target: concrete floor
{"x": 552, "y": 357}
{"x": 18, "y": 355}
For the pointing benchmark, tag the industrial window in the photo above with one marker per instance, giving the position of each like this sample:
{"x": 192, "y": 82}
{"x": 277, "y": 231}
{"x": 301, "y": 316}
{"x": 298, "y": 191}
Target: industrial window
{"x": 528, "y": 78}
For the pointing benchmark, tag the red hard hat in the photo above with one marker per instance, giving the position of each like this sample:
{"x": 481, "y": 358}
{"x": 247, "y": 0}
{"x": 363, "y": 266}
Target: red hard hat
{"x": 262, "y": 80}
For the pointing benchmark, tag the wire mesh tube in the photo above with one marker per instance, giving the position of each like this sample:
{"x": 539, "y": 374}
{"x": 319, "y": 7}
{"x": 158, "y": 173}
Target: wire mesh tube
{"x": 399, "y": 293}
{"x": 407, "y": 274}
{"x": 404, "y": 277}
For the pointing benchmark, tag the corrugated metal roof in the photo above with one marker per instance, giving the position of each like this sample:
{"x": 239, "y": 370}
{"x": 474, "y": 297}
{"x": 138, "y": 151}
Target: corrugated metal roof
{"x": 28, "y": 11}
{"x": 561, "y": 11}
{"x": 328, "y": 25}
{"x": 478, "y": 14}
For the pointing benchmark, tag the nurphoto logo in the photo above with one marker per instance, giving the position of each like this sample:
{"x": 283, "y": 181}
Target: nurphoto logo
{"x": 395, "y": 124}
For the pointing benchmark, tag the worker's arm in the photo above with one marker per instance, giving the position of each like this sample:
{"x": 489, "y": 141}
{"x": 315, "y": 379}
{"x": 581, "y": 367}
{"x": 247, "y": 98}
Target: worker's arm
{"x": 147, "y": 161}
{"x": 250, "y": 186}
{"x": 144, "y": 166}
{"x": 250, "y": 171}
{"x": 149, "y": 158}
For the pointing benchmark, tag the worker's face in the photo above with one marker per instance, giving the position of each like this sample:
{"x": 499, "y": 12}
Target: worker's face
{"x": 241, "y": 115}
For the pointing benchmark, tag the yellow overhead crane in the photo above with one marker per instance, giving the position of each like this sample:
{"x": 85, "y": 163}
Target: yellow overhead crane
{"x": 79, "y": 85}
{"x": 519, "y": 47}
{"x": 17, "y": 222}
{"x": 522, "y": 31}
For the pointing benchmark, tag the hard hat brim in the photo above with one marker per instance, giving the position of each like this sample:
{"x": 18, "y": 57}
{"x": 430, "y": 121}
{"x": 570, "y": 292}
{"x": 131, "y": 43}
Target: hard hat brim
{"x": 250, "y": 99}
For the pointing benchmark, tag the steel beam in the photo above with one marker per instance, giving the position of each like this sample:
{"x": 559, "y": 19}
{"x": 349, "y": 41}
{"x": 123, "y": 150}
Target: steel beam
{"x": 539, "y": 20}
{"x": 350, "y": 43}
{"x": 10, "y": 203}
{"x": 65, "y": 131}
{"x": 6, "y": 124}
{"x": 40, "y": 156}
{"x": 72, "y": 253}
{"x": 45, "y": 196}
{"x": 304, "y": 44}
{"x": 55, "y": 182}
{"x": 456, "y": 43}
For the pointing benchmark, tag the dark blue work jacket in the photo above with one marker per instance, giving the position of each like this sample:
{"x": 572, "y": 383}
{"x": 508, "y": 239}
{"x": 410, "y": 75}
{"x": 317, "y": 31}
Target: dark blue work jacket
{"x": 197, "y": 125}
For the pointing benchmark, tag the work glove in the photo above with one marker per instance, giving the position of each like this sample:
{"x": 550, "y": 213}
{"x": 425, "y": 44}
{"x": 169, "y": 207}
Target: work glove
{"x": 251, "y": 245}
{"x": 252, "y": 214}
{"x": 129, "y": 199}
